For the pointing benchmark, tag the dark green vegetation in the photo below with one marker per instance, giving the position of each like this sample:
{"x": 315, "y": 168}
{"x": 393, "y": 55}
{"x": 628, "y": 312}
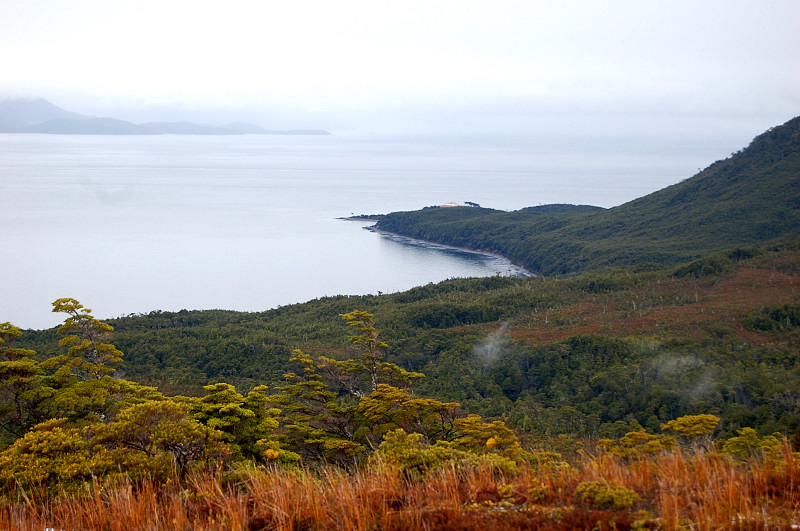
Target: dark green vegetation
{"x": 749, "y": 198}
{"x": 596, "y": 354}
{"x": 66, "y": 421}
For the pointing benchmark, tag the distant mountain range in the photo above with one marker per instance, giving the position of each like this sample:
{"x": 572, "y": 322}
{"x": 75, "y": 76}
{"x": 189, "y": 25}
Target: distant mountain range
{"x": 40, "y": 116}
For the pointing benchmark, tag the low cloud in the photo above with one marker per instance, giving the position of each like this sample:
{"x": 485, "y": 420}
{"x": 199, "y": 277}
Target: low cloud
{"x": 492, "y": 348}
{"x": 699, "y": 378}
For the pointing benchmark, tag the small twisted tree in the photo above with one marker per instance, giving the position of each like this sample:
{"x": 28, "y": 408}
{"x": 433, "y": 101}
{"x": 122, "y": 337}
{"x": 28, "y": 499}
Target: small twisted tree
{"x": 693, "y": 429}
{"x": 18, "y": 380}
{"x": 88, "y": 355}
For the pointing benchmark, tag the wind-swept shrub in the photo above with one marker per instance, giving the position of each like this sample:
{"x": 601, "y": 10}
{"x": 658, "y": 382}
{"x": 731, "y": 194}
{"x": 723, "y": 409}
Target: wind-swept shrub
{"x": 412, "y": 455}
{"x": 748, "y": 444}
{"x": 638, "y": 443}
{"x": 51, "y": 458}
{"x": 154, "y": 439}
{"x": 243, "y": 420}
{"x": 693, "y": 428}
{"x": 606, "y": 495}
{"x": 163, "y": 430}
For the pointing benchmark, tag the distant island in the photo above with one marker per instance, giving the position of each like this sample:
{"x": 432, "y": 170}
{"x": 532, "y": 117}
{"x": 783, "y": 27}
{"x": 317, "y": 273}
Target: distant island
{"x": 40, "y": 116}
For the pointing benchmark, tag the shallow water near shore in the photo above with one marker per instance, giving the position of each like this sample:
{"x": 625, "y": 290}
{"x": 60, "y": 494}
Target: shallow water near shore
{"x": 135, "y": 224}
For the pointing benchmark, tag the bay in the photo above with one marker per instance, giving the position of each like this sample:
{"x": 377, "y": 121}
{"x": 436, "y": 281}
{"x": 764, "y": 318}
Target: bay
{"x": 131, "y": 224}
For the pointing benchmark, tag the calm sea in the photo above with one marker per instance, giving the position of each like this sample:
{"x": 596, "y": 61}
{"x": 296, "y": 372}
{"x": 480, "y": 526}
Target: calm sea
{"x": 140, "y": 223}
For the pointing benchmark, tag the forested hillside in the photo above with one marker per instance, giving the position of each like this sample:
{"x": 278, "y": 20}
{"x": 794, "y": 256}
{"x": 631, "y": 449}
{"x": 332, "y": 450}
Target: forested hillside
{"x": 594, "y": 355}
{"x": 749, "y": 198}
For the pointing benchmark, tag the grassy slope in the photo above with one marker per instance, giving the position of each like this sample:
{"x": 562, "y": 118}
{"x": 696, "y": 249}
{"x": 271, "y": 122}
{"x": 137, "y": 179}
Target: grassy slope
{"x": 749, "y": 198}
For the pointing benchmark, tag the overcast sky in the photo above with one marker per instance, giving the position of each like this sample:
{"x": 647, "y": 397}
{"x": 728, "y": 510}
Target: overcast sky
{"x": 671, "y": 67}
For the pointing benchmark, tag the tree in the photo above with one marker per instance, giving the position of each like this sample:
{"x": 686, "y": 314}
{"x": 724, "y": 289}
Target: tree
{"x": 475, "y": 435}
{"x": 748, "y": 444}
{"x": 389, "y": 408}
{"x": 370, "y": 353}
{"x": 337, "y": 409}
{"x": 150, "y": 439}
{"x": 88, "y": 356}
{"x": 156, "y": 434}
{"x": 52, "y": 456}
{"x": 78, "y": 384}
{"x": 242, "y": 420}
{"x": 413, "y": 455}
{"x": 18, "y": 379}
{"x": 361, "y": 375}
{"x": 312, "y": 422}
{"x": 693, "y": 428}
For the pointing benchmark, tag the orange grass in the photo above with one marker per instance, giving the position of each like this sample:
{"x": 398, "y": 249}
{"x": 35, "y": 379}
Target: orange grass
{"x": 681, "y": 489}
{"x": 667, "y": 308}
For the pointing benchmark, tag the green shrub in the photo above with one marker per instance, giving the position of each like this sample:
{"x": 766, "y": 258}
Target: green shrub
{"x": 410, "y": 454}
{"x": 604, "y": 495}
{"x": 638, "y": 443}
{"x": 693, "y": 426}
{"x": 748, "y": 444}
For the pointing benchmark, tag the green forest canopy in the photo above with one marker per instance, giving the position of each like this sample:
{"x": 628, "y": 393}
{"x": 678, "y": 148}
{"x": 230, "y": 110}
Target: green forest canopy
{"x": 593, "y": 354}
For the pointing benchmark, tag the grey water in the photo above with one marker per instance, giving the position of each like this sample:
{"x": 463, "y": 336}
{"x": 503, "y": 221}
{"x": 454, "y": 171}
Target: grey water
{"x": 131, "y": 224}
